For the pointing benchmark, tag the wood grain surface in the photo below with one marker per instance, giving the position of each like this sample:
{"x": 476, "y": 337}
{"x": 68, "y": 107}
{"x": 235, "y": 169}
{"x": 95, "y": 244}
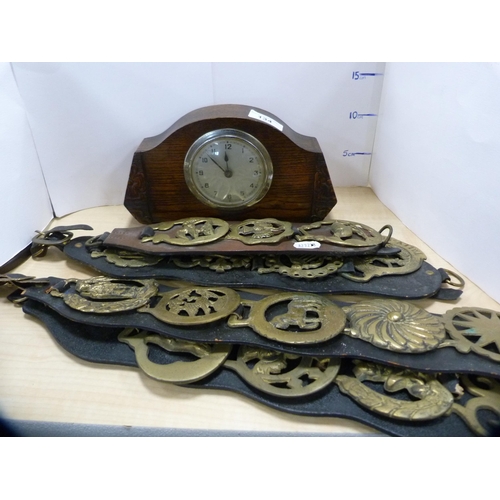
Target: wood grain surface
{"x": 301, "y": 189}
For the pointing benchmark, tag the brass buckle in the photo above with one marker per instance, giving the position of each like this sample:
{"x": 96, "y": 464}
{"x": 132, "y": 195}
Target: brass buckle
{"x": 57, "y": 236}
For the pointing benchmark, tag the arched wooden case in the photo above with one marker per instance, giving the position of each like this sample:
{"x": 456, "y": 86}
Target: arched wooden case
{"x": 301, "y": 189}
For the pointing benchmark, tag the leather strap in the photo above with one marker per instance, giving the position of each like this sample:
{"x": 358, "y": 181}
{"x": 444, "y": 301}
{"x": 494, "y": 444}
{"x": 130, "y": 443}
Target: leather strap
{"x": 101, "y": 345}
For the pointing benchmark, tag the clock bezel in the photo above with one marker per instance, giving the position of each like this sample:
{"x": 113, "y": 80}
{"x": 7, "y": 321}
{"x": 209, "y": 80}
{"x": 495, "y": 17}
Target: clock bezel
{"x": 220, "y": 135}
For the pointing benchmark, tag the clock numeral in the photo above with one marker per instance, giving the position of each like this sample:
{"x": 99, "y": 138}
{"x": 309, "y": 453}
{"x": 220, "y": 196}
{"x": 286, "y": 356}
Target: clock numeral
{"x": 251, "y": 159}
{"x": 206, "y": 185}
{"x": 200, "y": 172}
{"x": 256, "y": 173}
{"x": 242, "y": 193}
{"x": 204, "y": 159}
{"x": 229, "y": 146}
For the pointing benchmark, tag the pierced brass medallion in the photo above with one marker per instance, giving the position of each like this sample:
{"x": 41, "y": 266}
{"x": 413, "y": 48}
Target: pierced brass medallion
{"x": 301, "y": 266}
{"x": 395, "y": 325}
{"x": 307, "y": 319}
{"x": 217, "y": 263}
{"x": 194, "y": 306}
{"x": 487, "y": 398}
{"x": 283, "y": 374}
{"x": 434, "y": 400}
{"x": 341, "y": 232}
{"x": 474, "y": 329}
{"x": 210, "y": 357}
{"x": 192, "y": 231}
{"x": 408, "y": 260}
{"x": 125, "y": 258}
{"x": 259, "y": 231}
{"x": 103, "y": 295}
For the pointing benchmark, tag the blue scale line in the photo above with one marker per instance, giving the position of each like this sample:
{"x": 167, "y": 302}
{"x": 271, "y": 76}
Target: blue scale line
{"x": 371, "y": 74}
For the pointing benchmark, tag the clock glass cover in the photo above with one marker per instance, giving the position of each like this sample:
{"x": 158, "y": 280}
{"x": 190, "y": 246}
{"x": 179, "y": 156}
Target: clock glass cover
{"x": 228, "y": 169}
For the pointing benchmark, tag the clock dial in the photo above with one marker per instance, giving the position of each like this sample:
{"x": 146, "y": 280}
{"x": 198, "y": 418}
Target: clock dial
{"x": 228, "y": 169}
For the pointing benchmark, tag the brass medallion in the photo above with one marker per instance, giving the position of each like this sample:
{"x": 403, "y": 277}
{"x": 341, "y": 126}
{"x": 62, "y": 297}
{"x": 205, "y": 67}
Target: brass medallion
{"x": 342, "y": 232}
{"x": 474, "y": 329}
{"x": 408, "y": 260}
{"x": 103, "y": 295}
{"x": 433, "y": 399}
{"x": 395, "y": 325}
{"x": 210, "y": 357}
{"x": 194, "y": 305}
{"x": 217, "y": 263}
{"x": 282, "y": 374}
{"x": 300, "y": 266}
{"x": 487, "y": 397}
{"x": 125, "y": 258}
{"x": 308, "y": 319}
{"x": 192, "y": 231}
{"x": 260, "y": 231}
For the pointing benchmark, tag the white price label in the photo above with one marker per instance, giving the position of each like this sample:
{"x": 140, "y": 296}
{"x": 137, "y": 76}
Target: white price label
{"x": 307, "y": 244}
{"x": 264, "y": 118}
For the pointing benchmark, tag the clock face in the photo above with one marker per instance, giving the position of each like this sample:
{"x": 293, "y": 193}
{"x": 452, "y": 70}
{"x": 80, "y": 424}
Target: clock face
{"x": 228, "y": 169}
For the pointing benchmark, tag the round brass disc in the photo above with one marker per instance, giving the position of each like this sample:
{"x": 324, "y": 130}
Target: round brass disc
{"x": 195, "y": 305}
{"x": 310, "y": 318}
{"x": 192, "y": 231}
{"x": 408, "y": 260}
{"x": 258, "y": 231}
{"x": 341, "y": 232}
{"x": 474, "y": 329}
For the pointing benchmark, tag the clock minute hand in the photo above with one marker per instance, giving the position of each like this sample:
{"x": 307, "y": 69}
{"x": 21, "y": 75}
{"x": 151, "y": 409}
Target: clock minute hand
{"x": 217, "y": 164}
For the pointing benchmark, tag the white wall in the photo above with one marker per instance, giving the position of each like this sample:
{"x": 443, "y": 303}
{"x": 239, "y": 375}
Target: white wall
{"x": 24, "y": 204}
{"x": 88, "y": 118}
{"x": 76, "y": 125}
{"x": 436, "y": 161}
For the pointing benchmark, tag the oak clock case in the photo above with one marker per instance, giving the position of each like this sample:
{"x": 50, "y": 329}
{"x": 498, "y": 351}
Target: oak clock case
{"x": 228, "y": 169}
{"x": 297, "y": 185}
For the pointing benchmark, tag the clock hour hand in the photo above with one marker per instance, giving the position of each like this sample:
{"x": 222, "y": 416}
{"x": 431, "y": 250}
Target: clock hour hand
{"x": 228, "y": 172}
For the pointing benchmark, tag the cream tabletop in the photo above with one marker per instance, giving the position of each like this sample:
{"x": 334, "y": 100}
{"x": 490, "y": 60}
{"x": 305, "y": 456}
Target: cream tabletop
{"x": 40, "y": 382}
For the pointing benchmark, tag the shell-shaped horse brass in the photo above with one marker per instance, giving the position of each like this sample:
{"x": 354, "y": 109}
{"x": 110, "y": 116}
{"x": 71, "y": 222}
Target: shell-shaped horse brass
{"x": 194, "y": 305}
{"x": 282, "y": 374}
{"x": 395, "y": 325}
{"x": 293, "y": 318}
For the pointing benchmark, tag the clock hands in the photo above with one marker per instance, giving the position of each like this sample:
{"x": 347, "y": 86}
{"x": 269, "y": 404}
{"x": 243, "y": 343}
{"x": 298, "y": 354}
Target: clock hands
{"x": 216, "y": 163}
{"x": 227, "y": 172}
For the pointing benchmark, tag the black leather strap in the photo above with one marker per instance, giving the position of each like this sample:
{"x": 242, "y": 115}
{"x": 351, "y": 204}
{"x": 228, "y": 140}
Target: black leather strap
{"x": 443, "y": 360}
{"x": 99, "y": 344}
{"x": 425, "y": 282}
